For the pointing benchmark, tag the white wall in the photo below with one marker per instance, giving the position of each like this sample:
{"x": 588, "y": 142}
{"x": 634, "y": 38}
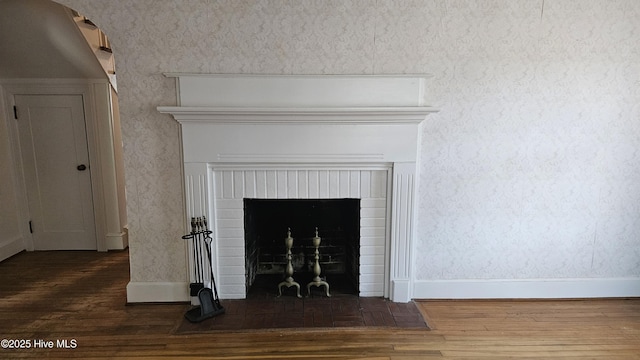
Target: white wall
{"x": 532, "y": 170}
{"x": 529, "y": 171}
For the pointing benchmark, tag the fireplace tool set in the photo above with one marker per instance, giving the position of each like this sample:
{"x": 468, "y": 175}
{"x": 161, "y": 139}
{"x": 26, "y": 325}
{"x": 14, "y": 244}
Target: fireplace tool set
{"x": 208, "y": 296}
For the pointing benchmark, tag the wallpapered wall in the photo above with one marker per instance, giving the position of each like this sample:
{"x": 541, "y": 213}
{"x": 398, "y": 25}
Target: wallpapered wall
{"x": 531, "y": 169}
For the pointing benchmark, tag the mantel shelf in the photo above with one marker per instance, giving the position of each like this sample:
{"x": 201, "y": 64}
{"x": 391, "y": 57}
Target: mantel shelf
{"x": 292, "y": 115}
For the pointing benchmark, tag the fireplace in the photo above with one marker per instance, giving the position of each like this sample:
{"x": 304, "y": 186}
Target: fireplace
{"x": 337, "y": 221}
{"x": 301, "y": 186}
{"x": 253, "y": 141}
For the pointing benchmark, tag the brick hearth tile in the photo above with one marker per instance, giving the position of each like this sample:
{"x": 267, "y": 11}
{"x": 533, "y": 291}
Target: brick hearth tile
{"x": 226, "y": 321}
{"x": 368, "y": 319}
{"x": 409, "y": 320}
{"x": 374, "y": 304}
{"x": 346, "y": 307}
{"x": 258, "y": 321}
{"x": 283, "y": 321}
{"x": 296, "y": 306}
{"x": 379, "y": 318}
{"x": 307, "y": 319}
{"x": 321, "y": 319}
{"x": 316, "y": 305}
{"x": 264, "y": 307}
{"x": 401, "y": 308}
{"x": 342, "y": 320}
{"x": 234, "y": 307}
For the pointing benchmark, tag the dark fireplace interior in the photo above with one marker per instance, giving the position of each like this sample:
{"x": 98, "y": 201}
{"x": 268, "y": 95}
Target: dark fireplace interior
{"x": 338, "y": 221}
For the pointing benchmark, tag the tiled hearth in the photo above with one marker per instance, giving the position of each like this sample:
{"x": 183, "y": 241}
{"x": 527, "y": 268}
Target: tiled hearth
{"x": 290, "y": 313}
{"x": 262, "y": 310}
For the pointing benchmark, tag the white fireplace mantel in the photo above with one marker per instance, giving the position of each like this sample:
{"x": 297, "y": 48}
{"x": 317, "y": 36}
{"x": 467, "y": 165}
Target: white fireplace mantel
{"x": 352, "y": 127}
{"x": 291, "y": 115}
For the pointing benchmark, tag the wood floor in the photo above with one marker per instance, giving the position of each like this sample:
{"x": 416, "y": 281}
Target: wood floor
{"x": 79, "y": 297}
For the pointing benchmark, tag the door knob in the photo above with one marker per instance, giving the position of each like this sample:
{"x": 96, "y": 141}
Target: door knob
{"x": 82, "y": 167}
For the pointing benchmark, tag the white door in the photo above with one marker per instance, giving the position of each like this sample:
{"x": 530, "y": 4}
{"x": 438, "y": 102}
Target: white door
{"x": 55, "y": 158}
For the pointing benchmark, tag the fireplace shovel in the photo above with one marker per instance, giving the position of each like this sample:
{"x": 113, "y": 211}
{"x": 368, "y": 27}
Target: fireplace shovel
{"x": 208, "y": 297}
{"x": 198, "y": 285}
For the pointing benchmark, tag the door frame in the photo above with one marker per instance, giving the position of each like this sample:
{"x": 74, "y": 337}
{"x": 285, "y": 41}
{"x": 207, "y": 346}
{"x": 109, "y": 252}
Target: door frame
{"x": 111, "y": 232}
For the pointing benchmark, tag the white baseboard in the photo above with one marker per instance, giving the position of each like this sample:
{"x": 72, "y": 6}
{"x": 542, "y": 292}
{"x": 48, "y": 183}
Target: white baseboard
{"x": 526, "y": 289}
{"x": 400, "y": 290}
{"x": 11, "y": 247}
{"x": 117, "y": 241}
{"x": 157, "y": 292}
{"x": 443, "y": 289}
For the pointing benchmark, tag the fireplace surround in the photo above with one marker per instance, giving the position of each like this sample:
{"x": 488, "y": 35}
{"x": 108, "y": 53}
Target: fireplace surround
{"x": 304, "y": 137}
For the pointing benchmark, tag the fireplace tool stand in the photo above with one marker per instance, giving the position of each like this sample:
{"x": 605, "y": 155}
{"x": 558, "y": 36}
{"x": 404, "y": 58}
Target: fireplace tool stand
{"x": 208, "y": 296}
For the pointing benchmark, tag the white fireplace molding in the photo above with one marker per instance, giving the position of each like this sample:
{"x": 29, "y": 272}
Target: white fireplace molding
{"x": 349, "y": 129}
{"x": 279, "y": 115}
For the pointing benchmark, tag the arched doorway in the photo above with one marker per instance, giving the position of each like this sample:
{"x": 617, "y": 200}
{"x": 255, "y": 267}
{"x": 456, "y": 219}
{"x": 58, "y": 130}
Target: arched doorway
{"x": 52, "y": 53}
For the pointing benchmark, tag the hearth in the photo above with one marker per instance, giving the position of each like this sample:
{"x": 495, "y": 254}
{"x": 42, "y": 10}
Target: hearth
{"x": 266, "y": 222}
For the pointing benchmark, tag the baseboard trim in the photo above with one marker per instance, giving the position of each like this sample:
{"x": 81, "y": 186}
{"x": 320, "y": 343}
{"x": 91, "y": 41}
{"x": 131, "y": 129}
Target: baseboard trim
{"x": 145, "y": 292}
{"x": 11, "y": 247}
{"x": 527, "y": 289}
{"x": 400, "y": 290}
{"x": 117, "y": 241}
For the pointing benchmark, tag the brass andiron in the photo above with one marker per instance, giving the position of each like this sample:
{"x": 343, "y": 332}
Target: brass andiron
{"x": 288, "y": 281}
{"x": 317, "y": 281}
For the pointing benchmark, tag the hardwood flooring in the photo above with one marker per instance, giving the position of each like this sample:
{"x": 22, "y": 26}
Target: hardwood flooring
{"x": 80, "y": 297}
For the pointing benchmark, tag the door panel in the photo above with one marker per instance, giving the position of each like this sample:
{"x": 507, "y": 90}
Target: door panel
{"x": 53, "y": 144}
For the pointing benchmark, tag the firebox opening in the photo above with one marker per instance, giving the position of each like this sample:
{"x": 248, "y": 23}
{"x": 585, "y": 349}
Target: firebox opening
{"x": 338, "y": 221}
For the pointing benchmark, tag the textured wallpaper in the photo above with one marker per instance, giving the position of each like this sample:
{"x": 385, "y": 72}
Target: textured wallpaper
{"x": 531, "y": 169}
